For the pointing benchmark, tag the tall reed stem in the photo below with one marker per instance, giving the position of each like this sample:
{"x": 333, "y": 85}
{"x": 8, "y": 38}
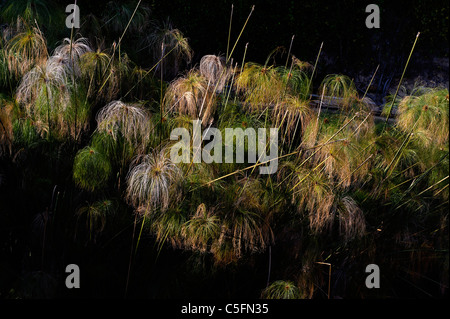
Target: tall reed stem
{"x": 242, "y": 30}
{"x": 120, "y": 40}
{"x": 147, "y": 73}
{"x": 73, "y": 77}
{"x": 289, "y": 51}
{"x": 401, "y": 79}
{"x": 229, "y": 30}
{"x": 314, "y": 69}
{"x": 370, "y": 83}
{"x": 231, "y": 86}
{"x": 161, "y": 95}
{"x": 242, "y": 66}
{"x": 329, "y": 275}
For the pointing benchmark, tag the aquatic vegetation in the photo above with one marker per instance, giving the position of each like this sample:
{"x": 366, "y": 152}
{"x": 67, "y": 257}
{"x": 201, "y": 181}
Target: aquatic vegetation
{"x": 191, "y": 95}
{"x": 339, "y": 89}
{"x": 26, "y": 50}
{"x": 91, "y": 169}
{"x": 215, "y": 71}
{"x": 130, "y": 120}
{"x": 281, "y": 289}
{"x": 70, "y": 52}
{"x": 150, "y": 179}
{"x": 169, "y": 47}
{"x": 85, "y": 137}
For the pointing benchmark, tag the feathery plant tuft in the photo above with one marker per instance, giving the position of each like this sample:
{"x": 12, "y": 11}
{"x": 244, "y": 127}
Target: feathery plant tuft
{"x": 43, "y": 92}
{"x": 71, "y": 52}
{"x": 91, "y": 169}
{"x": 340, "y": 90}
{"x": 30, "y": 10}
{"x": 117, "y": 15}
{"x": 150, "y": 180}
{"x": 190, "y": 95}
{"x": 352, "y": 223}
{"x": 244, "y": 227}
{"x": 199, "y": 231}
{"x": 132, "y": 121}
{"x": 215, "y": 71}
{"x": 292, "y": 115}
{"x": 428, "y": 113}
{"x": 93, "y": 65}
{"x": 6, "y": 126}
{"x": 26, "y": 50}
{"x": 260, "y": 85}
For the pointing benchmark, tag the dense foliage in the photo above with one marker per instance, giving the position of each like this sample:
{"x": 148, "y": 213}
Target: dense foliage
{"x": 86, "y": 175}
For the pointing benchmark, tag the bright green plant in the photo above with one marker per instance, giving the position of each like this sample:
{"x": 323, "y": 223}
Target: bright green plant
{"x": 281, "y": 289}
{"x": 91, "y": 169}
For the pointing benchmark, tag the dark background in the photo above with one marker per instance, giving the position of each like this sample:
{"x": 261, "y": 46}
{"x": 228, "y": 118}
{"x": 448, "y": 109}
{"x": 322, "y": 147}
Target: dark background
{"x": 350, "y": 48}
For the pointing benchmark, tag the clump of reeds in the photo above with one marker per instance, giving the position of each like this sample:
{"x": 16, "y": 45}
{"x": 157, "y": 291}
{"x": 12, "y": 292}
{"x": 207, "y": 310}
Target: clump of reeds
{"x": 91, "y": 169}
{"x": 150, "y": 180}
{"x": 281, "y": 289}
{"x": 201, "y": 229}
{"x": 191, "y": 95}
{"x": 26, "y": 49}
{"x": 132, "y": 121}
{"x": 215, "y": 71}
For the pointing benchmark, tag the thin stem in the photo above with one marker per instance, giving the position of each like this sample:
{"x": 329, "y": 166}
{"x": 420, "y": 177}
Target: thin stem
{"x": 329, "y": 275}
{"x": 270, "y": 265}
{"x": 314, "y": 69}
{"x": 204, "y": 99}
{"x": 48, "y": 110}
{"x": 161, "y": 95}
{"x": 370, "y": 83}
{"x": 45, "y": 215}
{"x": 229, "y": 30}
{"x": 359, "y": 166}
{"x": 289, "y": 52}
{"x": 439, "y": 191}
{"x": 401, "y": 79}
{"x": 287, "y": 80}
{"x": 73, "y": 77}
{"x": 242, "y": 66}
{"x": 146, "y": 73}
{"x": 320, "y": 108}
{"x": 120, "y": 39}
{"x": 242, "y": 30}
{"x": 140, "y": 233}
{"x": 231, "y": 85}
{"x": 437, "y": 183}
